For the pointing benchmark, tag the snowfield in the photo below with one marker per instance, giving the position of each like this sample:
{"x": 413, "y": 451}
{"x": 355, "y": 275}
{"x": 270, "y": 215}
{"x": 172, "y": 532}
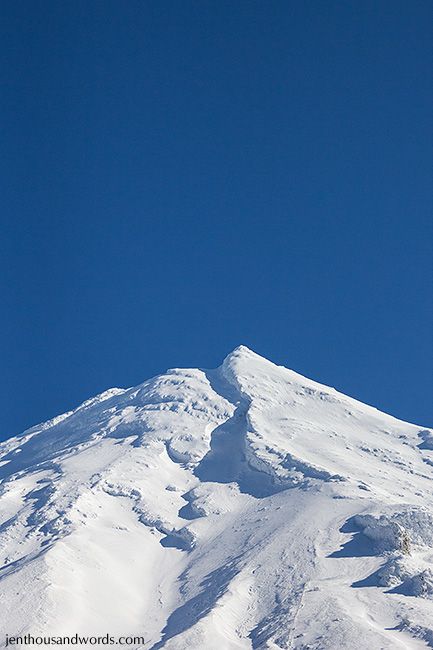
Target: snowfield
{"x": 242, "y": 507}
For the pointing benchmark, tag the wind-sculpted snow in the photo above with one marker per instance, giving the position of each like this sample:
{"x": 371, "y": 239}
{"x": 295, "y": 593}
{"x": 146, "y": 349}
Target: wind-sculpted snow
{"x": 242, "y": 507}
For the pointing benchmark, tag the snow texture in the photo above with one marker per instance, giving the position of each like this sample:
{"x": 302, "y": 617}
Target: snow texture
{"x": 242, "y": 507}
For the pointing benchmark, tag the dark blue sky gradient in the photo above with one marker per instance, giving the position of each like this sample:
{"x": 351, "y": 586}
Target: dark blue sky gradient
{"x": 181, "y": 177}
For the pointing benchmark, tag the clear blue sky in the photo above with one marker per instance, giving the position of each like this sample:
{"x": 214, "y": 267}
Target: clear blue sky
{"x": 181, "y": 177}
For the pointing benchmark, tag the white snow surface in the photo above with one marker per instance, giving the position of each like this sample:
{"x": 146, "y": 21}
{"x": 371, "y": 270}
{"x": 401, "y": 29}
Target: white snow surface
{"x": 242, "y": 507}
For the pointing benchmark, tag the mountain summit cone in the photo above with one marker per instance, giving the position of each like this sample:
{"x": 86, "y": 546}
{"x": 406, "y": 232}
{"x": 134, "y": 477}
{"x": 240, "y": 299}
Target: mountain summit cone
{"x": 242, "y": 507}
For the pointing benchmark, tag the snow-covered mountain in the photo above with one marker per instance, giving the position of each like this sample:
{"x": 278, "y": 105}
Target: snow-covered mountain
{"x": 242, "y": 507}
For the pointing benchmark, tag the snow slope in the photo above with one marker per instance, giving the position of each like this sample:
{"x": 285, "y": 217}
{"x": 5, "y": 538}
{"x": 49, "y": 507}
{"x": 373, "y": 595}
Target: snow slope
{"x": 243, "y": 507}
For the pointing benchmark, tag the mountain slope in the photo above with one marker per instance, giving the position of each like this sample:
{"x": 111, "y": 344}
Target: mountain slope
{"x": 244, "y": 507}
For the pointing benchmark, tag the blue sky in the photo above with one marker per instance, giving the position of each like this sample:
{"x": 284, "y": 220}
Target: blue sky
{"x": 182, "y": 177}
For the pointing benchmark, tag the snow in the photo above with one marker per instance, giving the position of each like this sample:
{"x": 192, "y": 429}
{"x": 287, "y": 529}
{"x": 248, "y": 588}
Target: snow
{"x": 242, "y": 507}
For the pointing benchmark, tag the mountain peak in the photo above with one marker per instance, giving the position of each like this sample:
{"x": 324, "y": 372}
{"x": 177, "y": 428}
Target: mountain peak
{"x": 235, "y": 495}
{"x": 242, "y": 351}
{"x": 242, "y": 354}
